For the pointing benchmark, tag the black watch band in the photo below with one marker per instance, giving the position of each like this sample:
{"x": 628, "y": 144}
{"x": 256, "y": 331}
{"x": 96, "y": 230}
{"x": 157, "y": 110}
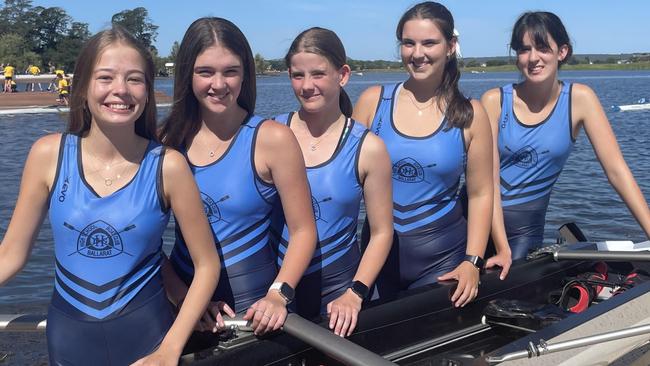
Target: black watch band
{"x": 477, "y": 261}
{"x": 360, "y": 289}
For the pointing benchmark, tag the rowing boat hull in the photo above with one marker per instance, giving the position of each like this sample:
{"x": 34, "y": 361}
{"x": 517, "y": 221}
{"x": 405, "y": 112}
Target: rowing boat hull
{"x": 423, "y": 324}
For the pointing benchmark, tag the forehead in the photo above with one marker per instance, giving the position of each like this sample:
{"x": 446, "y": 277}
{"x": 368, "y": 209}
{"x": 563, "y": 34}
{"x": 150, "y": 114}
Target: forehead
{"x": 537, "y": 37}
{"x": 304, "y": 60}
{"x": 421, "y": 28}
{"x": 120, "y": 55}
{"x": 217, "y": 55}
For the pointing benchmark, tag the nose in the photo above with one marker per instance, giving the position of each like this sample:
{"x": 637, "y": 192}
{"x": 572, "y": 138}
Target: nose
{"x": 119, "y": 86}
{"x": 534, "y": 55}
{"x": 418, "y": 51}
{"x": 218, "y": 82}
{"x": 307, "y": 83}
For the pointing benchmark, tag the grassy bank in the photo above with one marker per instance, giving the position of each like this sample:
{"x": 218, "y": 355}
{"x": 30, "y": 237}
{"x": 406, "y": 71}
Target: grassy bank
{"x": 634, "y": 66}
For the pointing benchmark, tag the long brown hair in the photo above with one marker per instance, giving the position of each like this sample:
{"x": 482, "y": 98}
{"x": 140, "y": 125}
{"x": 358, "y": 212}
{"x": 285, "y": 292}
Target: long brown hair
{"x": 459, "y": 110}
{"x": 80, "y": 117}
{"x": 184, "y": 120}
{"x": 322, "y": 42}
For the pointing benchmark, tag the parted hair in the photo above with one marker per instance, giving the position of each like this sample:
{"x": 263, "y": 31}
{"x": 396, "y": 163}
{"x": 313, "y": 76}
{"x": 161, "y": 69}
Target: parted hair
{"x": 326, "y": 43}
{"x": 459, "y": 110}
{"x": 184, "y": 119}
{"x": 80, "y": 117}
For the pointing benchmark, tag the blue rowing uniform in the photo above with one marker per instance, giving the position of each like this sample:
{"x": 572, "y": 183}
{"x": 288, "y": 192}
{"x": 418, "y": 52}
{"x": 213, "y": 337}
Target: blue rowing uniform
{"x": 532, "y": 158}
{"x": 430, "y": 230}
{"x": 336, "y": 198}
{"x": 108, "y": 305}
{"x": 238, "y": 204}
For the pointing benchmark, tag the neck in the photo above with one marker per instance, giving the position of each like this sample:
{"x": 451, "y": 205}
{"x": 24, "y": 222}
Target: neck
{"x": 423, "y": 90}
{"x": 538, "y": 95}
{"x": 110, "y": 144}
{"x": 223, "y": 125}
{"x": 320, "y": 122}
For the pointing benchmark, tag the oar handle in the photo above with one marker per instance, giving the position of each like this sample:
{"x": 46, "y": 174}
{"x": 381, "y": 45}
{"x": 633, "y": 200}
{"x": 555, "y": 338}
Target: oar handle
{"x": 618, "y": 256}
{"x": 334, "y": 346}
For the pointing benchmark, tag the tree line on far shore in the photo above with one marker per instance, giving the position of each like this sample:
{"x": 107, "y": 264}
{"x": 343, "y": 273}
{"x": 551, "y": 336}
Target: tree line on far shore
{"x": 49, "y": 36}
{"x": 44, "y": 36}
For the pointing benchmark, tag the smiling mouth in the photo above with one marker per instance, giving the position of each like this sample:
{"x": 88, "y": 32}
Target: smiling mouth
{"x": 119, "y": 106}
{"x": 217, "y": 96}
{"x": 535, "y": 69}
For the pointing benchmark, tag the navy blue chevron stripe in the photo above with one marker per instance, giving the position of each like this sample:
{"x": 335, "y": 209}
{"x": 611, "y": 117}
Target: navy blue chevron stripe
{"x": 101, "y": 305}
{"x": 109, "y": 285}
{"x": 430, "y": 212}
{"x": 432, "y": 200}
{"x": 244, "y": 247}
{"x": 509, "y": 197}
{"x": 509, "y": 187}
{"x": 233, "y": 238}
{"x": 323, "y": 256}
{"x": 352, "y": 227}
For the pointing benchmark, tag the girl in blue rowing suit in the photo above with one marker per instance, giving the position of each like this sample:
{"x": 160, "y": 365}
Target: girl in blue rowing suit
{"x": 434, "y": 135}
{"x": 344, "y": 164}
{"x": 109, "y": 187}
{"x": 241, "y": 163}
{"x": 535, "y": 124}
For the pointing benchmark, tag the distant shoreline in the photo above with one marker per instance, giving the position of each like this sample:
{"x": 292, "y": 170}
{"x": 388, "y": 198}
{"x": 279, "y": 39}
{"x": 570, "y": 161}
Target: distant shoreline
{"x": 645, "y": 65}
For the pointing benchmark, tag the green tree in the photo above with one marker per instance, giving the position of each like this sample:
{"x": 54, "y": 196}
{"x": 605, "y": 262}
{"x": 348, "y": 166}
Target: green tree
{"x": 14, "y": 50}
{"x": 13, "y": 16}
{"x": 138, "y": 23}
{"x": 260, "y": 64}
{"x": 174, "y": 51}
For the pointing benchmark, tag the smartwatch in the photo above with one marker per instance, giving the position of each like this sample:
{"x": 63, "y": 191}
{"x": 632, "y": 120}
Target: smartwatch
{"x": 360, "y": 289}
{"x": 284, "y": 289}
{"x": 477, "y": 261}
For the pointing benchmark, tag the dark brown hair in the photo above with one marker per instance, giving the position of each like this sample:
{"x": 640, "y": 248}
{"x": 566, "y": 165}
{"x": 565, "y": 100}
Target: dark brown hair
{"x": 539, "y": 25}
{"x": 184, "y": 120}
{"x": 322, "y": 42}
{"x": 459, "y": 110}
{"x": 80, "y": 117}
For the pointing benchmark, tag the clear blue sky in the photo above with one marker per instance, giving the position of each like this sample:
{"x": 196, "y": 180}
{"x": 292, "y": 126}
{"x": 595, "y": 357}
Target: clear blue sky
{"x": 367, "y": 27}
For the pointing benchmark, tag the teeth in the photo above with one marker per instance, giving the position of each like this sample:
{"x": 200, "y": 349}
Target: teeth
{"x": 119, "y": 106}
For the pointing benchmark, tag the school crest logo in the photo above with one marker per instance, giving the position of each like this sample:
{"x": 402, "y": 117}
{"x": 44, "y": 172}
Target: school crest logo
{"x": 211, "y": 208}
{"x": 99, "y": 240}
{"x": 315, "y": 205}
{"x": 525, "y": 158}
{"x": 408, "y": 170}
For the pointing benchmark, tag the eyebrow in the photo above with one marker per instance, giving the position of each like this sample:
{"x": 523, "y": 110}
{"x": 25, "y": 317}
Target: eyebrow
{"x": 108, "y": 69}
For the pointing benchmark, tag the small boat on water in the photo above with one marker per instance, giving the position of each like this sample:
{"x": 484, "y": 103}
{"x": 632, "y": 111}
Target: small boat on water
{"x": 510, "y": 322}
{"x": 641, "y": 104}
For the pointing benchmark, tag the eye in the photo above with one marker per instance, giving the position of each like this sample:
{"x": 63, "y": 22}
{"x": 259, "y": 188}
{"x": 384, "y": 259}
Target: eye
{"x": 318, "y": 74}
{"x": 407, "y": 43}
{"x": 204, "y": 73}
{"x": 231, "y": 72}
{"x": 297, "y": 75}
{"x": 136, "y": 80}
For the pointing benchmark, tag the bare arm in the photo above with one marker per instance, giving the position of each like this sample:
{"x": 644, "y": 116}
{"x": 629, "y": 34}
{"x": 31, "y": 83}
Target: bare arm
{"x": 491, "y": 101}
{"x": 480, "y": 192}
{"x": 375, "y": 175}
{"x": 183, "y": 197}
{"x": 364, "y": 110}
{"x": 587, "y": 110}
{"x": 31, "y": 206}
{"x": 279, "y": 160}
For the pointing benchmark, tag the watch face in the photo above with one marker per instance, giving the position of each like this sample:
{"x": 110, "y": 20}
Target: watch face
{"x": 360, "y": 289}
{"x": 287, "y": 292}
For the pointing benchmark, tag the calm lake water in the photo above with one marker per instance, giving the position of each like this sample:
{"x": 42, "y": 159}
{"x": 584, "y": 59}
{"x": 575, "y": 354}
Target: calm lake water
{"x": 582, "y": 193}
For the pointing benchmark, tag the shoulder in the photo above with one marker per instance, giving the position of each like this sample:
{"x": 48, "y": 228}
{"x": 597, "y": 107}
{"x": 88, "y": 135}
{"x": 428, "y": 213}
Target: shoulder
{"x": 373, "y": 145}
{"x": 581, "y": 93}
{"x": 479, "y": 110}
{"x": 174, "y": 162}
{"x": 491, "y": 97}
{"x": 274, "y": 134}
{"x": 371, "y": 94}
{"x": 47, "y": 146}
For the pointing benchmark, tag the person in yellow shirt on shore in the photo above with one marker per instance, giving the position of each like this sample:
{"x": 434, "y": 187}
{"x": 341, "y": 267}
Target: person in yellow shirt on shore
{"x": 33, "y": 70}
{"x": 63, "y": 87}
{"x": 9, "y": 72}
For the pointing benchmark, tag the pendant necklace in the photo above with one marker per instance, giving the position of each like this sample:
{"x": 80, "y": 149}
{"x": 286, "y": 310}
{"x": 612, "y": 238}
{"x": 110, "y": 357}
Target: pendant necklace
{"x": 417, "y": 106}
{"x": 108, "y": 181}
{"x": 313, "y": 145}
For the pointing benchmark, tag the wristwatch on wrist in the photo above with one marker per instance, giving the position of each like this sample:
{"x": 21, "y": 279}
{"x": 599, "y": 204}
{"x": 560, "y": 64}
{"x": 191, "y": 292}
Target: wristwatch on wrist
{"x": 477, "y": 261}
{"x": 284, "y": 290}
{"x": 360, "y": 289}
